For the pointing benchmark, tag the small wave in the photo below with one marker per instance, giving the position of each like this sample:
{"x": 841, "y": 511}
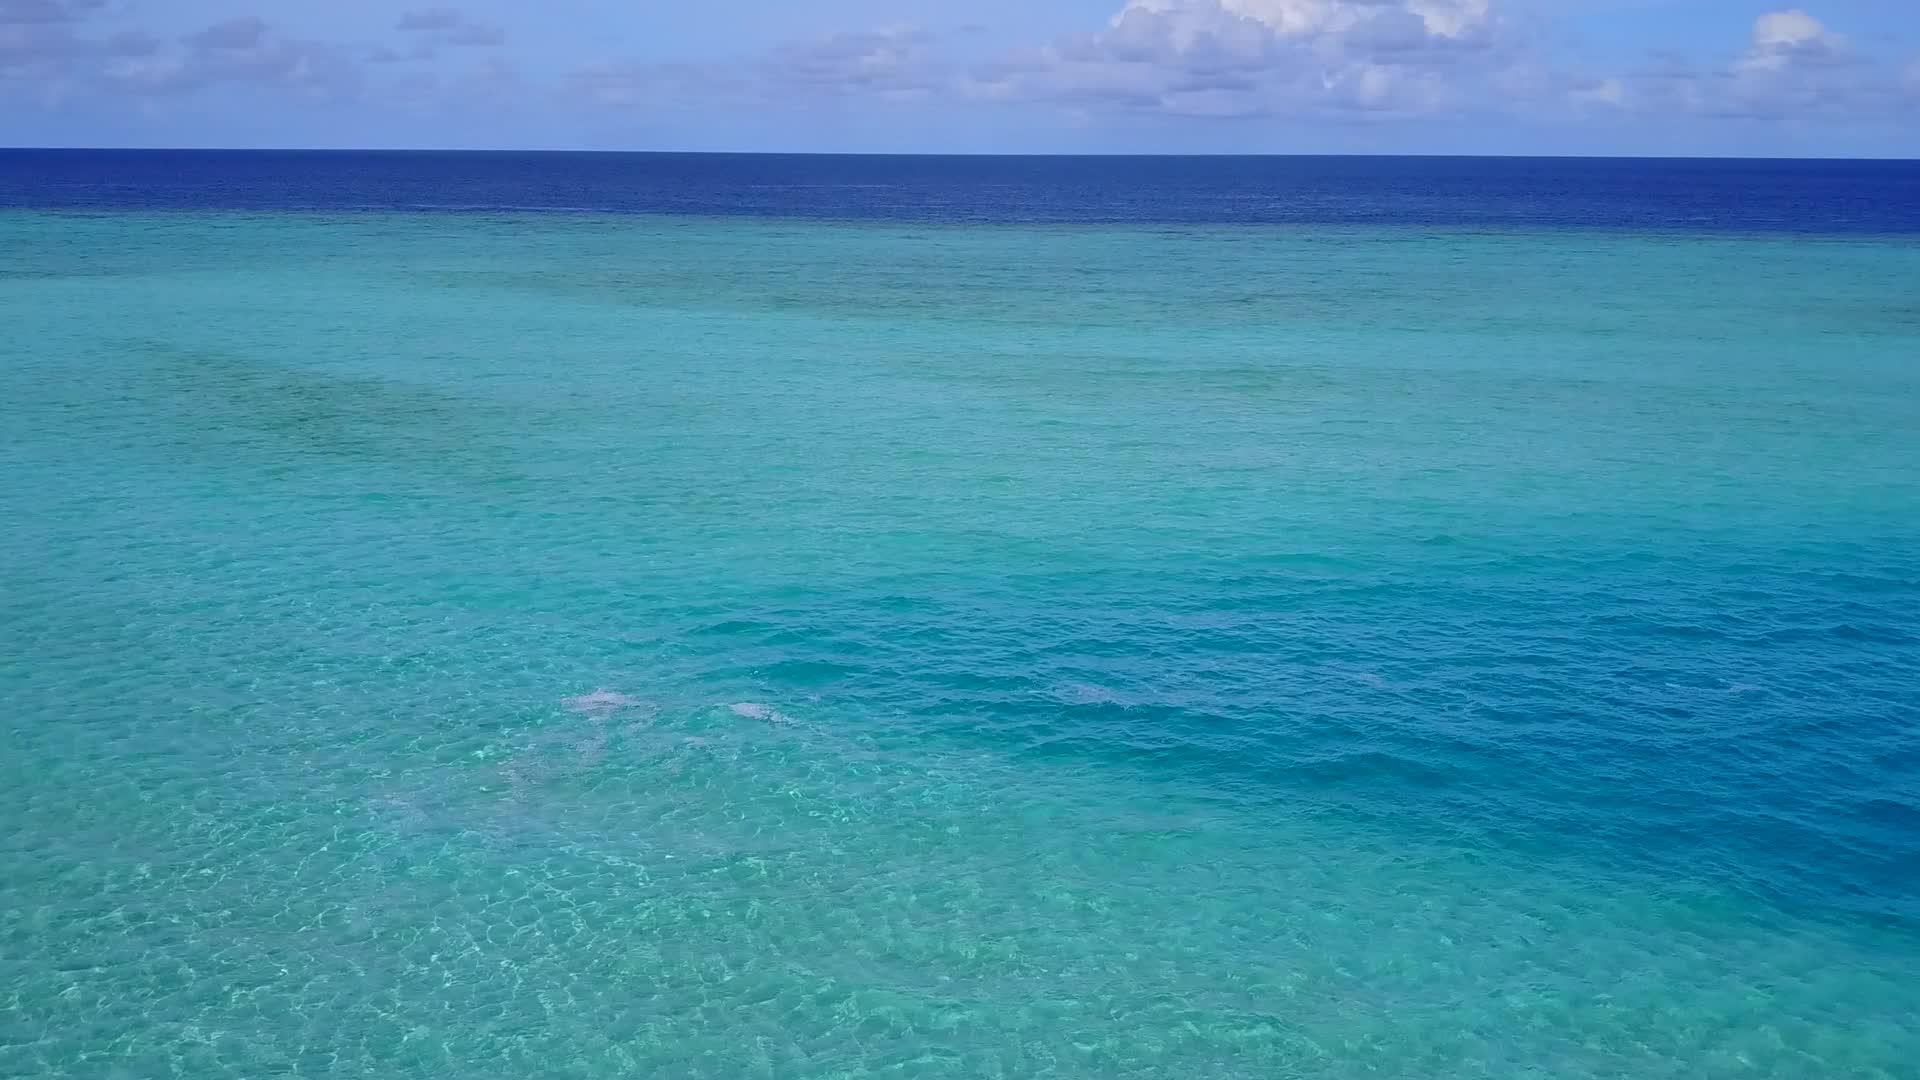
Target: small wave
{"x": 1082, "y": 693}
{"x": 804, "y": 187}
{"x": 487, "y": 208}
{"x": 753, "y": 710}
{"x": 602, "y": 702}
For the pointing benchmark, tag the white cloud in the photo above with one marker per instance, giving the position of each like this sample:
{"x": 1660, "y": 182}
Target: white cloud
{"x": 1323, "y": 61}
{"x": 492, "y": 83}
{"x": 245, "y": 32}
{"x": 899, "y": 64}
{"x": 1790, "y": 29}
{"x": 1793, "y": 70}
{"x": 1783, "y": 39}
{"x": 243, "y": 50}
{"x": 64, "y": 48}
{"x": 1259, "y": 57}
{"x": 23, "y": 12}
{"x": 649, "y": 85}
{"x": 1306, "y": 18}
{"x": 446, "y": 26}
{"x": 1610, "y": 92}
{"x": 58, "y": 50}
{"x": 39, "y": 41}
{"x": 891, "y": 62}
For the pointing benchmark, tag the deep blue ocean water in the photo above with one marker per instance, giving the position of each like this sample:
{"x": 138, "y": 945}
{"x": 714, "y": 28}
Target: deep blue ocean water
{"x": 593, "y": 615}
{"x": 1690, "y": 195}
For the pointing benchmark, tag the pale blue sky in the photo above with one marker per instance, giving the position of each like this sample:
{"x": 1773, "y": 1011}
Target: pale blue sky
{"x": 1823, "y": 77}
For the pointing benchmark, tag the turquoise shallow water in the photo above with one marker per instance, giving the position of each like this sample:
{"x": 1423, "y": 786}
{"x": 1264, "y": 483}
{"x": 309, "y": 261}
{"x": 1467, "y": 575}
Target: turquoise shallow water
{"x": 1065, "y": 651}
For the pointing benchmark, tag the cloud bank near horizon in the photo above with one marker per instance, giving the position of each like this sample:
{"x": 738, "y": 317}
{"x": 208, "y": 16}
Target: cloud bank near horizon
{"x": 1253, "y": 74}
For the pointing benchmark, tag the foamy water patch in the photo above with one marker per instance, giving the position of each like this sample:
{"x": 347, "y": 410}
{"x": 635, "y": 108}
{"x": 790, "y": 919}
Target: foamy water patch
{"x": 604, "y": 702}
{"x": 753, "y": 710}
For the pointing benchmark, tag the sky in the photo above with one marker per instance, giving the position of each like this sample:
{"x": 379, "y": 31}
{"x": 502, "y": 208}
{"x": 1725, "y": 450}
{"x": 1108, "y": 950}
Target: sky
{"x": 1831, "y": 78}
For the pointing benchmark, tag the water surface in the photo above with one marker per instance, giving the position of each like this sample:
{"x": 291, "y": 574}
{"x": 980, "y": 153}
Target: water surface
{"x": 1188, "y": 645}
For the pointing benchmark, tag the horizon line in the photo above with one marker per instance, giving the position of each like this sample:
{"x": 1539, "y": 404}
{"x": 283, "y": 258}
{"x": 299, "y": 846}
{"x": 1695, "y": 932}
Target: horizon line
{"x": 921, "y": 153}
